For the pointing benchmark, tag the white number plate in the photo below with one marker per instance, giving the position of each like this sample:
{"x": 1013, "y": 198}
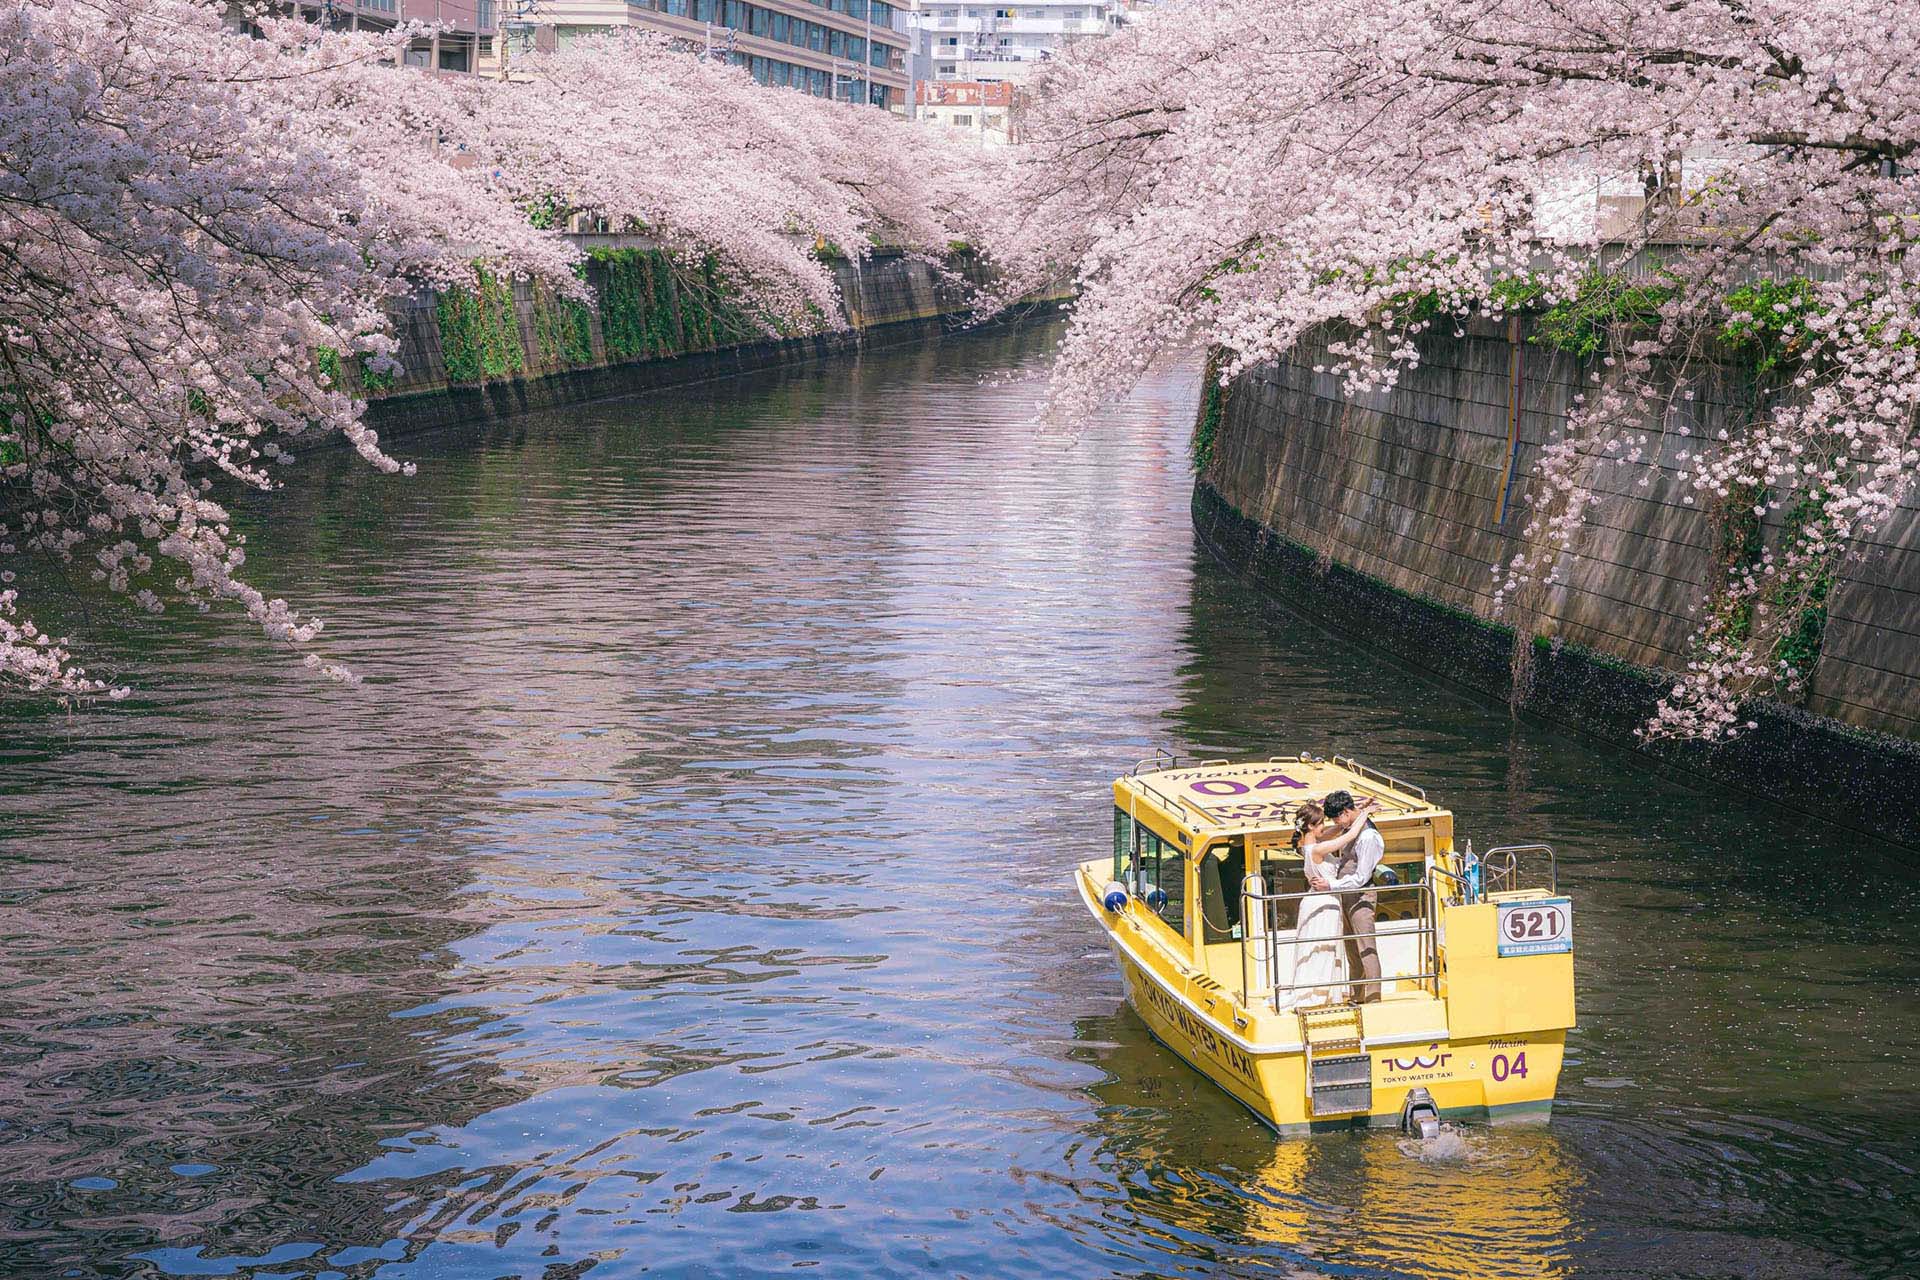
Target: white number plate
{"x": 1541, "y": 927}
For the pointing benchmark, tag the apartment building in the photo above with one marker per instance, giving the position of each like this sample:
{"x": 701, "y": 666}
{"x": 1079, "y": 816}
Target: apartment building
{"x": 988, "y": 113}
{"x": 466, "y": 39}
{"x": 853, "y": 50}
{"x": 962, "y": 40}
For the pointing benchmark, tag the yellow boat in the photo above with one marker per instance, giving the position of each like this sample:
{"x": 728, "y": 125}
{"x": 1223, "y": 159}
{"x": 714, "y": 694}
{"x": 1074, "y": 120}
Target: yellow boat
{"x": 1476, "y": 951}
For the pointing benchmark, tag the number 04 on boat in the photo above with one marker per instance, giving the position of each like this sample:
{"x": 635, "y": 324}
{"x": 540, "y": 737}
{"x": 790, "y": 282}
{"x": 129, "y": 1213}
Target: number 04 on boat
{"x": 1200, "y": 903}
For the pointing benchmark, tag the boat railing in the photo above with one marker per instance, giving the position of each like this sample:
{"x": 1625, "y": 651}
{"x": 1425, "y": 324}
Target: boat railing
{"x": 1347, "y": 762}
{"x": 1460, "y": 883}
{"x": 1520, "y": 866}
{"x": 1261, "y": 946}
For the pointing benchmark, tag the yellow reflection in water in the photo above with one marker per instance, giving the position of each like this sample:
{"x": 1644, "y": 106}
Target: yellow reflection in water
{"x": 1472, "y": 1202}
{"x": 1487, "y": 1203}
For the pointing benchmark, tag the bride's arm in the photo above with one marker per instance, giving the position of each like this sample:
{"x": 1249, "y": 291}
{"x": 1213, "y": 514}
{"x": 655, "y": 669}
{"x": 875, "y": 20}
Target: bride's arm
{"x": 1316, "y": 855}
{"x": 1334, "y": 844}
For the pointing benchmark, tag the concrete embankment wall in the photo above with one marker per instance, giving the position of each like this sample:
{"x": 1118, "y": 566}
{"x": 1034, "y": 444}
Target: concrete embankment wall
{"x": 542, "y": 356}
{"x": 1383, "y": 513}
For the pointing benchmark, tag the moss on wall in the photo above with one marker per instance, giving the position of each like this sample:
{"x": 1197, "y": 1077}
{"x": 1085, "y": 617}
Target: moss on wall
{"x": 480, "y": 331}
{"x": 637, "y": 314}
{"x": 562, "y": 330}
{"x": 1213, "y": 404}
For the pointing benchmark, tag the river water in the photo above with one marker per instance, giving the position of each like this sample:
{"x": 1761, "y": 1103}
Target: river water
{"x": 684, "y": 892}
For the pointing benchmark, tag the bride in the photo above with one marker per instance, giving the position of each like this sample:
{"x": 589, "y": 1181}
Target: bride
{"x": 1319, "y": 955}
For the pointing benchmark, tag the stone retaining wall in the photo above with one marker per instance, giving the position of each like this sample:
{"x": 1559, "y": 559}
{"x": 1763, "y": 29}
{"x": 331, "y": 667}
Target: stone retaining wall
{"x": 1421, "y": 489}
{"x": 887, "y": 291}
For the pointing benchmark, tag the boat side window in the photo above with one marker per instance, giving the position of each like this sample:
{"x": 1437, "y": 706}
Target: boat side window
{"x": 1161, "y": 866}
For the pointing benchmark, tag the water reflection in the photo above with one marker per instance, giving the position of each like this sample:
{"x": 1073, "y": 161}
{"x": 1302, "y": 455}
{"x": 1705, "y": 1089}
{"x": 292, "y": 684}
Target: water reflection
{"x": 683, "y": 893}
{"x": 1370, "y": 1203}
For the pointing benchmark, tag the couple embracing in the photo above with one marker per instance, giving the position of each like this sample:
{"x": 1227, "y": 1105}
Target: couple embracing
{"x": 1340, "y": 849}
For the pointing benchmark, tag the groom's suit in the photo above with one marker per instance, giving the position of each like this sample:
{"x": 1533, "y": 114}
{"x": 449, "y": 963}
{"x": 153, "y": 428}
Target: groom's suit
{"x": 1358, "y": 862}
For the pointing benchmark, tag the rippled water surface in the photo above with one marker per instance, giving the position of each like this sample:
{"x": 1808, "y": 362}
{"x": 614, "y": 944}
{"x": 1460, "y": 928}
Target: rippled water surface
{"x": 684, "y": 893}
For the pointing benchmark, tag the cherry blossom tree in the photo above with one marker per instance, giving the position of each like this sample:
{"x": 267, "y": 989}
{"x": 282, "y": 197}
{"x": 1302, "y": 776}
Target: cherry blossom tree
{"x": 179, "y": 239}
{"x": 1250, "y": 172}
{"x": 188, "y": 214}
{"x": 693, "y": 152}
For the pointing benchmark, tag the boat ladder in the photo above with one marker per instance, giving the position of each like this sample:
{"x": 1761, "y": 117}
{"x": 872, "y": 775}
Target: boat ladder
{"x": 1339, "y": 1068}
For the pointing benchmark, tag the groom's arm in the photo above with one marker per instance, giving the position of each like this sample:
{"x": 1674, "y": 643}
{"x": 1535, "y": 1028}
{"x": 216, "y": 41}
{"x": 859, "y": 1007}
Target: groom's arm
{"x": 1373, "y": 847}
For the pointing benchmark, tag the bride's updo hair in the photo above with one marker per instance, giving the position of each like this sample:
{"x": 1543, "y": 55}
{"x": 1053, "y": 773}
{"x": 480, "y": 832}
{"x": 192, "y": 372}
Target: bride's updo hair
{"x": 1310, "y": 816}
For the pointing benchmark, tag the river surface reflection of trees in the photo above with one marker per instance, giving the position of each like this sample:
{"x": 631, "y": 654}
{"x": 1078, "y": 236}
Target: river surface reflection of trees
{"x": 684, "y": 892}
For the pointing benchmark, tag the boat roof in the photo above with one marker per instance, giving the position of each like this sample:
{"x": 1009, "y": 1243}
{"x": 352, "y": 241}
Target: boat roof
{"x": 1222, "y": 797}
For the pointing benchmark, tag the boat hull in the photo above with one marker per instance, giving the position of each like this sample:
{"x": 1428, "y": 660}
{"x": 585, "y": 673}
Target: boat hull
{"x": 1506, "y": 1078}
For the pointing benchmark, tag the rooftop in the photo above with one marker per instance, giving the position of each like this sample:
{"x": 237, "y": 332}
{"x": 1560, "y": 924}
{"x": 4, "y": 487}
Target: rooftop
{"x": 1220, "y": 797}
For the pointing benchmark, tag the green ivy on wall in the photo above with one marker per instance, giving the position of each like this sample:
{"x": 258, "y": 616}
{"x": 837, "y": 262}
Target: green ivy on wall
{"x": 1740, "y": 542}
{"x": 1580, "y": 324}
{"x": 652, "y": 305}
{"x": 1770, "y": 320}
{"x": 722, "y": 321}
{"x": 327, "y": 360}
{"x": 637, "y": 313}
{"x": 349, "y": 374}
{"x": 1741, "y": 548}
{"x": 562, "y": 330}
{"x": 1213, "y": 406}
{"x": 479, "y": 331}
{"x": 1803, "y": 637}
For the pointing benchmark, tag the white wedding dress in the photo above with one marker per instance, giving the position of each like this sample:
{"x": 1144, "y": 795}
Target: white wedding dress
{"x": 1319, "y": 957}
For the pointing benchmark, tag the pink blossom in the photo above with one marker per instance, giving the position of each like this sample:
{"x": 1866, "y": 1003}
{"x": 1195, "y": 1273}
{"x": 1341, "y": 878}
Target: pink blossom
{"x": 190, "y": 214}
{"x": 1244, "y": 176}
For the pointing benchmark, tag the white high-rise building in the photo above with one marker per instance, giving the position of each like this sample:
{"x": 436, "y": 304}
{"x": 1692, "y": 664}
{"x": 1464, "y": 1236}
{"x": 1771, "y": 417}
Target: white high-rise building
{"x": 991, "y": 43}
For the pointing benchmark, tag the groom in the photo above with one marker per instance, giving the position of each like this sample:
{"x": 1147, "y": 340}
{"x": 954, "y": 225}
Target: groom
{"x": 1355, "y": 870}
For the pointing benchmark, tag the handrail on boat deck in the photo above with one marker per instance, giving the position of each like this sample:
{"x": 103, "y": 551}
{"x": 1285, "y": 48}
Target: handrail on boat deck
{"x": 1166, "y": 801}
{"x": 1466, "y": 889}
{"x": 1506, "y": 875}
{"x": 1250, "y": 895}
{"x": 1348, "y": 762}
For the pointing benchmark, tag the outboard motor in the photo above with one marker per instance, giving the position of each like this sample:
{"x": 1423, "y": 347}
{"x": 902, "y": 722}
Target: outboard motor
{"x": 1419, "y": 1116}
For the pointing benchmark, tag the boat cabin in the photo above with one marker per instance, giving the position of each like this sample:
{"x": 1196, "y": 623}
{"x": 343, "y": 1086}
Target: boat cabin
{"x": 1186, "y": 837}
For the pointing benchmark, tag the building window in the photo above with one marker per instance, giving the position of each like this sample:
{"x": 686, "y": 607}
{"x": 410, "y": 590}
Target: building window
{"x": 963, "y": 120}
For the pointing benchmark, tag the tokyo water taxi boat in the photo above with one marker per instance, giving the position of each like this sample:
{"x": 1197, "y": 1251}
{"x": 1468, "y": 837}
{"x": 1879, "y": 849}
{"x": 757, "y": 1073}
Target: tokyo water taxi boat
{"x": 1199, "y": 903}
